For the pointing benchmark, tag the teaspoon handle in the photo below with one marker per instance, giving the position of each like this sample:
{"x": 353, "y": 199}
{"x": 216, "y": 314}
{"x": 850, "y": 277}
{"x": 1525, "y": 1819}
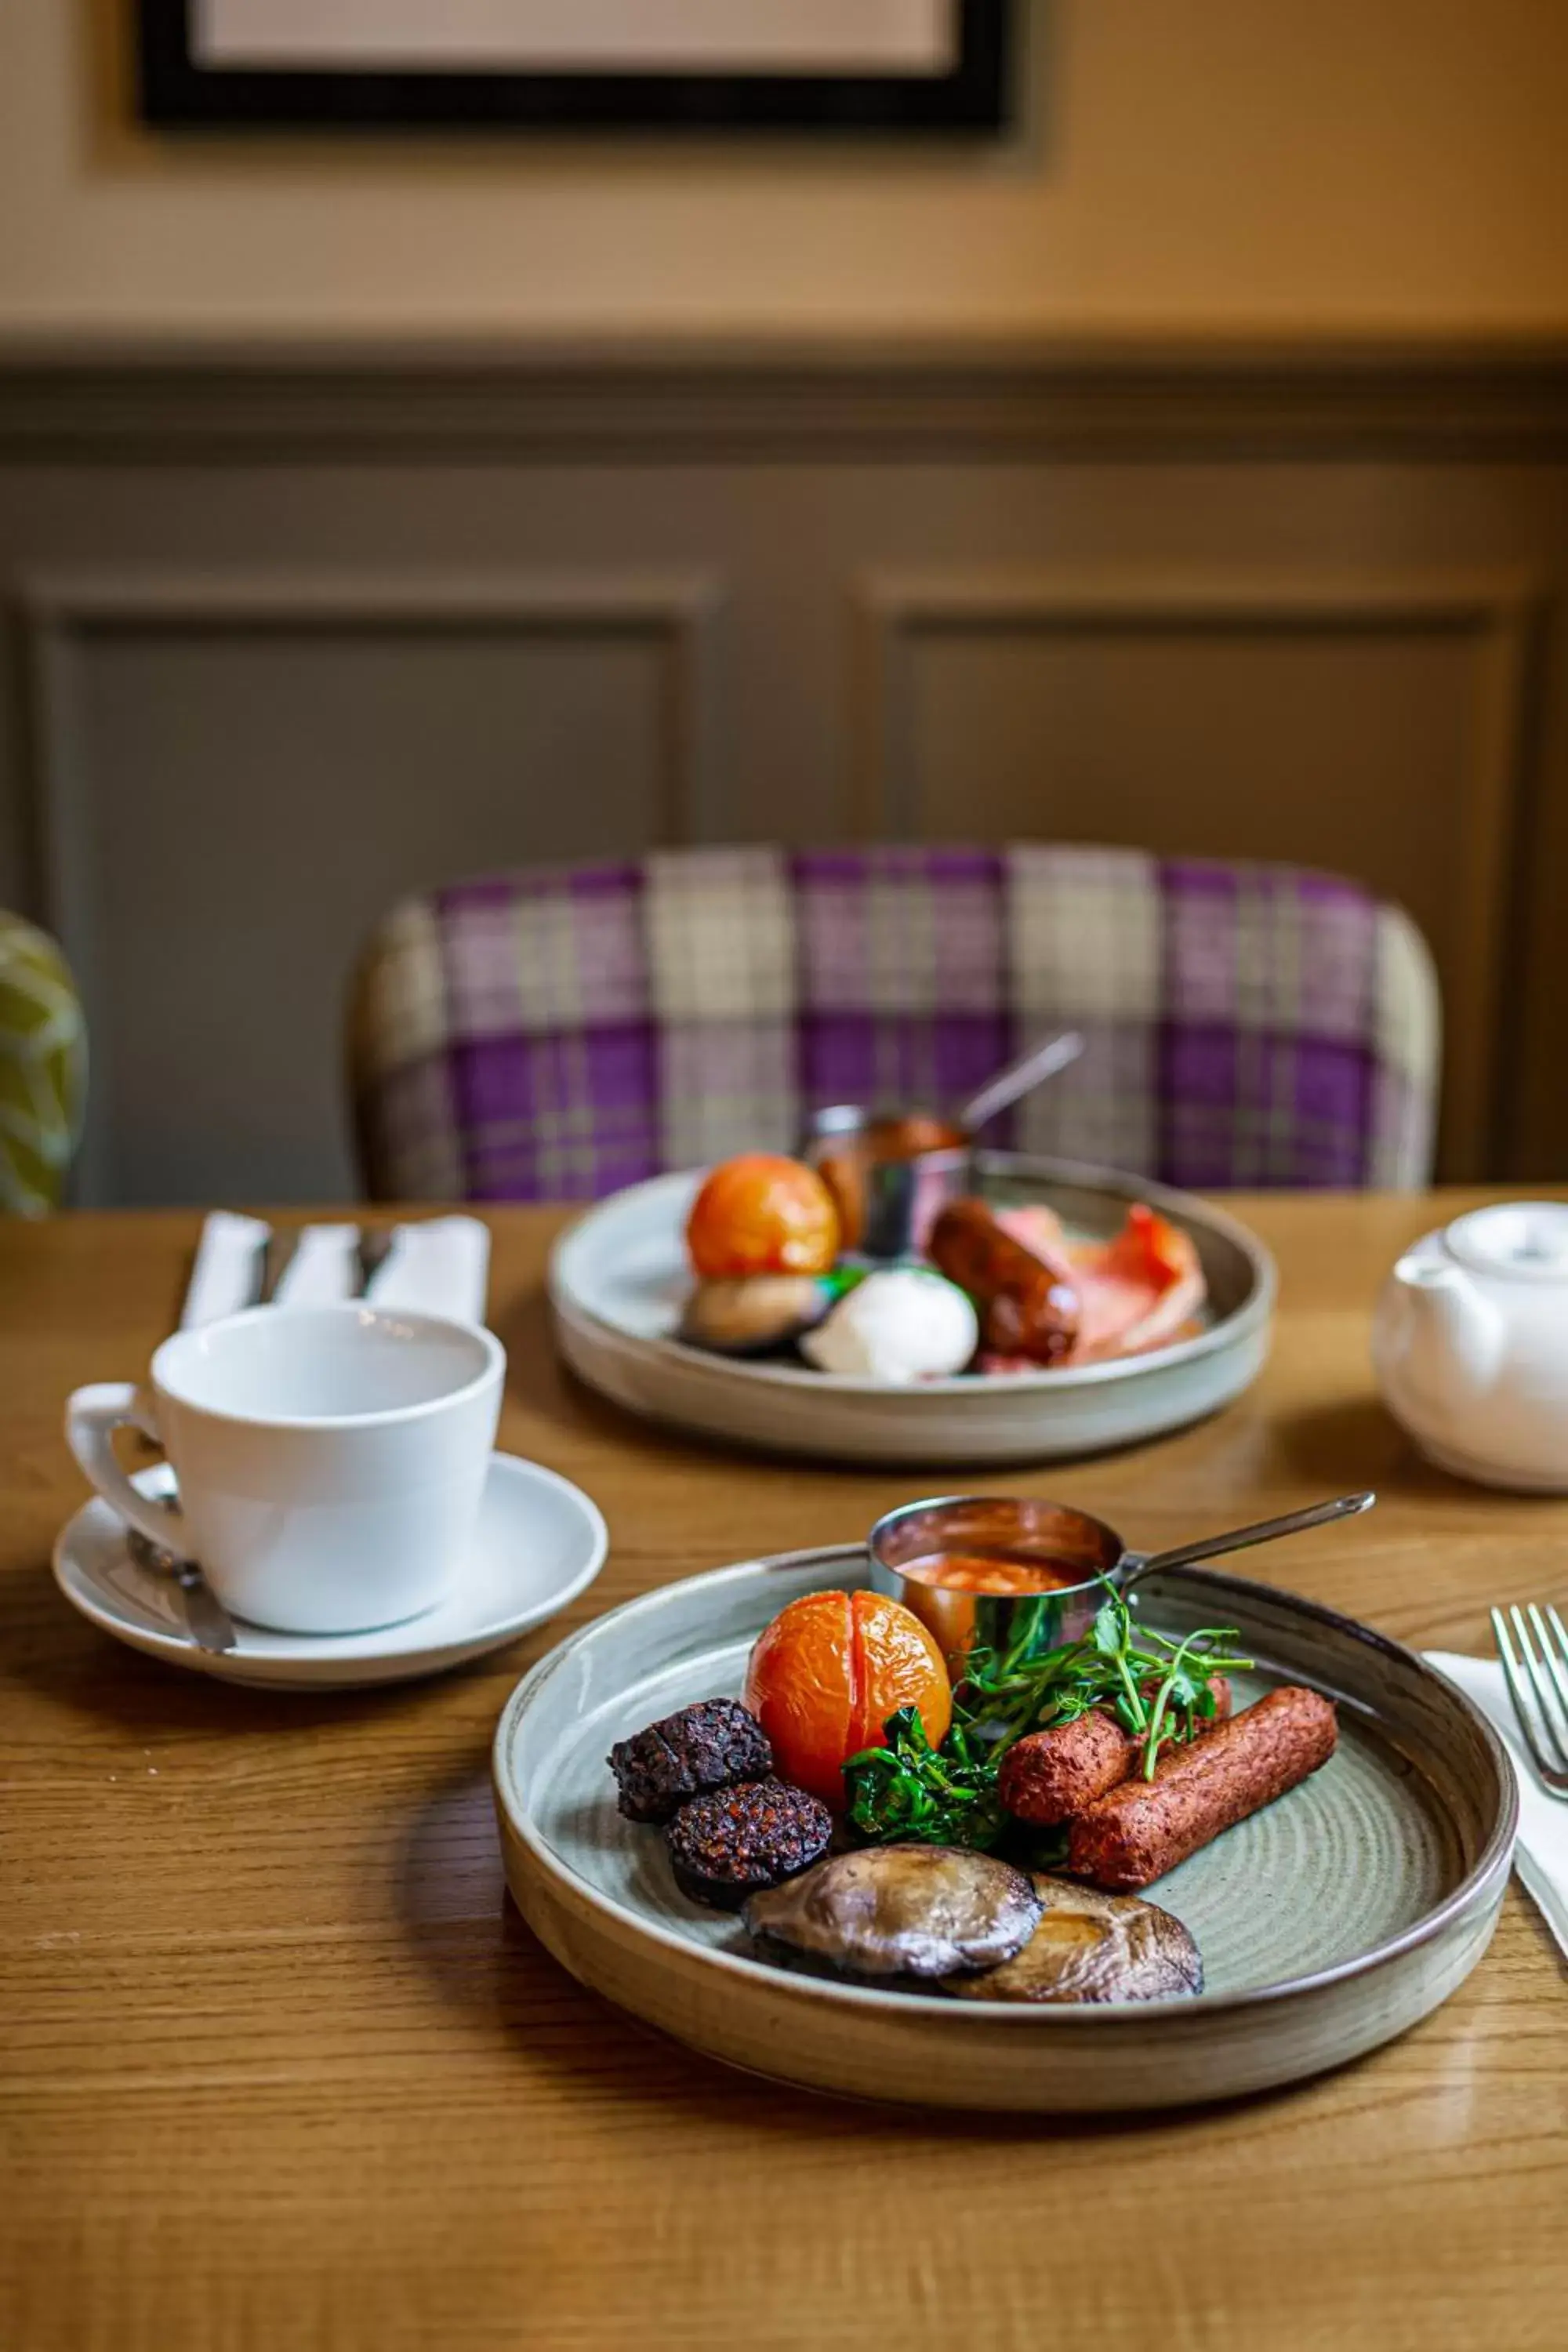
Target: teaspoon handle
{"x": 1041, "y": 1062}
{"x": 1317, "y": 1515}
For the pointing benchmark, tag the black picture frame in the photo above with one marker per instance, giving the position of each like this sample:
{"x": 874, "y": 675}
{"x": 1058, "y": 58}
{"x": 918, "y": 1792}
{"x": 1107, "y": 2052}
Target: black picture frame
{"x": 176, "y": 92}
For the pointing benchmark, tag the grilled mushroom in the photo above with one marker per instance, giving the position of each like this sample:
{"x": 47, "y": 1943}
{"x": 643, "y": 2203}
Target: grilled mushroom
{"x": 900, "y": 1910}
{"x": 752, "y": 1314}
{"x": 1090, "y": 1946}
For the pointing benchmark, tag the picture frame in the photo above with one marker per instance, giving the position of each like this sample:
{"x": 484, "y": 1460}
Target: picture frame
{"x": 181, "y": 87}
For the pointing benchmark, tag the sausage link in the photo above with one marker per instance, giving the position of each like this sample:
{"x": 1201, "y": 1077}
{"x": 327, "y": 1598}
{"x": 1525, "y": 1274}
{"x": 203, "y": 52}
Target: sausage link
{"x": 1134, "y": 1835}
{"x": 1026, "y": 1308}
{"x": 1048, "y": 1776}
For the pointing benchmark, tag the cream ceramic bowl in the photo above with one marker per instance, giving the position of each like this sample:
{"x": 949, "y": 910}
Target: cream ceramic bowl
{"x": 619, "y": 1277}
{"x": 1328, "y": 1923}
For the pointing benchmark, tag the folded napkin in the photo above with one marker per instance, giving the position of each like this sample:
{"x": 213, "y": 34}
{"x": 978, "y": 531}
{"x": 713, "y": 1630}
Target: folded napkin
{"x": 438, "y": 1266}
{"x": 1540, "y": 1857}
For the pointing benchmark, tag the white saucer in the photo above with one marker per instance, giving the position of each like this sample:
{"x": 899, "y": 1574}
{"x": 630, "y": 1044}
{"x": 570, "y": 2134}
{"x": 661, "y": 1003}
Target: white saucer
{"x": 541, "y": 1542}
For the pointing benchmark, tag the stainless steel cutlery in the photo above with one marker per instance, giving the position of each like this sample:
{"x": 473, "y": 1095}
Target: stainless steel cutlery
{"x": 211, "y": 1626}
{"x": 371, "y": 1250}
{"x": 1532, "y": 1645}
{"x": 277, "y": 1249}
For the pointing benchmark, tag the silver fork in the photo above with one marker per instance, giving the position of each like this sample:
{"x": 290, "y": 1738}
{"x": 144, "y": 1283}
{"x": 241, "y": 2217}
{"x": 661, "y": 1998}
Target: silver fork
{"x": 1539, "y": 1688}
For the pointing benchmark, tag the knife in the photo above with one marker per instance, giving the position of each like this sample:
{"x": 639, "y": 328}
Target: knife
{"x": 273, "y": 1259}
{"x": 373, "y": 1247}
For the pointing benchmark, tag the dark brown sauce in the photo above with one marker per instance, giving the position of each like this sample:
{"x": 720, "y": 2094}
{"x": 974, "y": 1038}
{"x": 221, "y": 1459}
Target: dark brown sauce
{"x": 993, "y": 1573}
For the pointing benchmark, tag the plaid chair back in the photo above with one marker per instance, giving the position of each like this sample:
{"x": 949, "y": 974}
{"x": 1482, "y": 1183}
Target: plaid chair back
{"x": 556, "y": 1033}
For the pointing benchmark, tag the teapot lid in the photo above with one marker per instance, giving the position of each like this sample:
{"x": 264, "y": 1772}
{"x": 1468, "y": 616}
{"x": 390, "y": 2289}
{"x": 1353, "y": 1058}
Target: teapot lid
{"x": 1526, "y": 1239}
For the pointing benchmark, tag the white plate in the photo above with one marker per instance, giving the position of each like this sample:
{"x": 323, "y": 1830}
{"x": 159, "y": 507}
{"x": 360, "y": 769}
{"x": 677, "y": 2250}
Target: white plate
{"x": 1328, "y": 1923}
{"x": 618, "y": 1277}
{"x": 540, "y": 1543}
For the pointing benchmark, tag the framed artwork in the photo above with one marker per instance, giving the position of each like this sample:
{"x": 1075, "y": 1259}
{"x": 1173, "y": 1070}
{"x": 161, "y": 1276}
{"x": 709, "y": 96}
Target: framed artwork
{"x": 856, "y": 65}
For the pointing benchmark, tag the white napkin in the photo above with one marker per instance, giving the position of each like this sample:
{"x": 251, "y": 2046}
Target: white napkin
{"x": 322, "y": 1268}
{"x": 223, "y": 1274}
{"x": 438, "y": 1266}
{"x": 1540, "y": 1857}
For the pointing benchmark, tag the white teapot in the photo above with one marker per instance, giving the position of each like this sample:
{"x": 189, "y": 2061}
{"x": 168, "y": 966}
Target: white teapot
{"x": 1470, "y": 1345}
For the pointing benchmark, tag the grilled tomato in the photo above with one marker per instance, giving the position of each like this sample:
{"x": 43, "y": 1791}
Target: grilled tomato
{"x": 762, "y": 1215}
{"x": 827, "y": 1672}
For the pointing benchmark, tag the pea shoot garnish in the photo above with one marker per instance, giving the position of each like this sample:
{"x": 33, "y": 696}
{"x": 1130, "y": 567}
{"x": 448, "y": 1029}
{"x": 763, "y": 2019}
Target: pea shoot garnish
{"x": 1158, "y": 1689}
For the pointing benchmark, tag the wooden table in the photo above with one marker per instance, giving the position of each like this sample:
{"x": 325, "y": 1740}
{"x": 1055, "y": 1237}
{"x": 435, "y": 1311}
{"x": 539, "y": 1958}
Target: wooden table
{"x": 282, "y": 2067}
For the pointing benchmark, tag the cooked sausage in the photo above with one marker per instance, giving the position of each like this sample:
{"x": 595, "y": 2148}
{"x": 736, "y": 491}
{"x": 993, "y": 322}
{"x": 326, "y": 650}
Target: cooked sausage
{"x": 1049, "y": 1776}
{"x": 1134, "y": 1835}
{"x": 1026, "y": 1306}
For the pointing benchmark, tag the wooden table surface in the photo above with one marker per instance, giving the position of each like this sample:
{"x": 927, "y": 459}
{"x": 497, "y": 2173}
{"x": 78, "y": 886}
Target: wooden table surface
{"x": 280, "y": 2066}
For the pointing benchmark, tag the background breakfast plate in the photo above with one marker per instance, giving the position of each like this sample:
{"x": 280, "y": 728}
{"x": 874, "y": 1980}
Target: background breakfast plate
{"x": 540, "y": 1543}
{"x": 1328, "y": 1923}
{"x": 618, "y": 1277}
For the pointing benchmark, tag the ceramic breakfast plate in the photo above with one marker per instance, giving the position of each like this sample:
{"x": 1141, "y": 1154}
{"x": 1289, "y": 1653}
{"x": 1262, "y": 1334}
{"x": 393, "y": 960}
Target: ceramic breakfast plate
{"x": 617, "y": 1279}
{"x": 1327, "y": 1924}
{"x": 538, "y": 1544}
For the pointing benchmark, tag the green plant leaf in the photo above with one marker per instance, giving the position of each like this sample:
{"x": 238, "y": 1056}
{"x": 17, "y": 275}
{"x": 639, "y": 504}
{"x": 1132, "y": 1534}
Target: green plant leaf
{"x": 1107, "y": 1633}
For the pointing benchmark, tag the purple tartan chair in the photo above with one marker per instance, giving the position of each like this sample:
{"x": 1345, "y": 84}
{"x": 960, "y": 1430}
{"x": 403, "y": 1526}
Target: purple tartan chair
{"x": 555, "y": 1033}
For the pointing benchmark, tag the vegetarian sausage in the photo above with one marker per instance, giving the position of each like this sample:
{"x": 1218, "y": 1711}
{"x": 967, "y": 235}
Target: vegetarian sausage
{"x": 1049, "y": 1776}
{"x": 1027, "y": 1308}
{"x": 1134, "y": 1835}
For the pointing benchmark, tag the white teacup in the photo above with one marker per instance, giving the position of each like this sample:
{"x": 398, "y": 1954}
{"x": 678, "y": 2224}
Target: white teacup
{"x": 331, "y": 1460}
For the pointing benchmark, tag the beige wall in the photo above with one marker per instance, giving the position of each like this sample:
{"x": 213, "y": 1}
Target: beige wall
{"x": 1244, "y": 166}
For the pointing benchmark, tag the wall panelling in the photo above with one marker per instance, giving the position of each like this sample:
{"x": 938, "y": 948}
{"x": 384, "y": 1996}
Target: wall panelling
{"x": 291, "y": 636}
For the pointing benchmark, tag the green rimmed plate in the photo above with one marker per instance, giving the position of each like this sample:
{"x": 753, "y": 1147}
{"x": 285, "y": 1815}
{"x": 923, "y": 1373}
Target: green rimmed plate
{"x": 1328, "y": 1923}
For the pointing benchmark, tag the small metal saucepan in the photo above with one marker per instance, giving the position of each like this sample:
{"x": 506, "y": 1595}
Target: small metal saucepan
{"x": 1014, "y": 1533}
{"x": 892, "y": 1173}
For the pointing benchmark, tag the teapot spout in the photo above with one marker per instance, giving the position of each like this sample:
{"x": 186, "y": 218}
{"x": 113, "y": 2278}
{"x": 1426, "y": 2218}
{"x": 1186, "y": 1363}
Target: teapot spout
{"x": 1453, "y": 1334}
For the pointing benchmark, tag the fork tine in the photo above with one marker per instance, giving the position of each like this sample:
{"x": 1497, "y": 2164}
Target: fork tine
{"x": 1552, "y": 1740}
{"x": 1511, "y": 1672}
{"x": 1554, "y": 1659}
{"x": 1548, "y": 1752}
{"x": 1524, "y": 1714}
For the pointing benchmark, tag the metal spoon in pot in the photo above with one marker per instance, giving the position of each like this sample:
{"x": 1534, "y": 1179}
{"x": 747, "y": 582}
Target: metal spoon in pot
{"x": 1079, "y": 1556}
{"x": 896, "y": 1183}
{"x": 1290, "y": 1523}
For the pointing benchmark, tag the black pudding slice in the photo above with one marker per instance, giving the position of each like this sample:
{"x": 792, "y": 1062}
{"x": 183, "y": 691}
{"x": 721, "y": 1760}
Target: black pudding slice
{"x": 710, "y": 1745}
{"x": 734, "y": 1843}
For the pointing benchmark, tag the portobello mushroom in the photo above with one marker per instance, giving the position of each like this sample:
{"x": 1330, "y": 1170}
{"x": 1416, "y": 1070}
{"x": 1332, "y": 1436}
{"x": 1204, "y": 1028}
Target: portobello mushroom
{"x": 1090, "y": 1946}
{"x": 754, "y": 1314}
{"x": 900, "y": 1911}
